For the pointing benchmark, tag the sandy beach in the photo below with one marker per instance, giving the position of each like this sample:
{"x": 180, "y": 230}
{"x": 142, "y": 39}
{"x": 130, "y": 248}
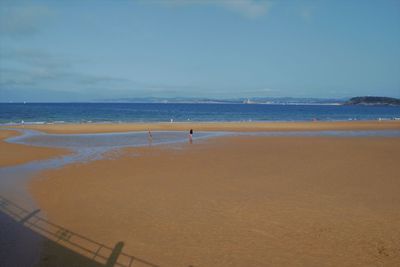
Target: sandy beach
{"x": 237, "y": 201}
{"x": 14, "y": 154}
{"x": 215, "y": 126}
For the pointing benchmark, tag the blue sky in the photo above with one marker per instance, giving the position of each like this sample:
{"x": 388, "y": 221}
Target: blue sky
{"x": 95, "y": 50}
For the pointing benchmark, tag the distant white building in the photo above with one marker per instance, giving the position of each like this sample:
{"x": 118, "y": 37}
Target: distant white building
{"x": 248, "y": 101}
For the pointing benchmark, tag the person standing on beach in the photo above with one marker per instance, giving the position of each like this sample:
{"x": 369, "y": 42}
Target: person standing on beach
{"x": 191, "y": 136}
{"x": 149, "y": 137}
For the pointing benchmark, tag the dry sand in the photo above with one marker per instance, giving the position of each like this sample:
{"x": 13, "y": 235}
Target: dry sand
{"x": 14, "y": 154}
{"x": 210, "y": 126}
{"x": 238, "y": 201}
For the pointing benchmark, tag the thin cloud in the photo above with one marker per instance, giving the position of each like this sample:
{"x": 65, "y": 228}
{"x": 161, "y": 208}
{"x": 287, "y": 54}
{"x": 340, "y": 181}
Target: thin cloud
{"x": 247, "y": 8}
{"x": 307, "y": 13}
{"x": 23, "y": 21}
{"x": 29, "y": 69}
{"x": 33, "y": 58}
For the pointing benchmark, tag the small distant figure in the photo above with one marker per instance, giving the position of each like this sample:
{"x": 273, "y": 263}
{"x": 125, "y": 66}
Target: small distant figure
{"x": 191, "y": 136}
{"x": 172, "y": 120}
{"x": 149, "y": 137}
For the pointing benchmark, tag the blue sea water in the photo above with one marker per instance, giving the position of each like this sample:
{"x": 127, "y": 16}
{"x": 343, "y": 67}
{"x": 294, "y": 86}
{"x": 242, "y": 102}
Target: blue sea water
{"x": 11, "y": 113}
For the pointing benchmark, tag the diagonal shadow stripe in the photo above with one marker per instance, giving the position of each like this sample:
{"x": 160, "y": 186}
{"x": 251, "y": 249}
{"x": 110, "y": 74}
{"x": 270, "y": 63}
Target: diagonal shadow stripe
{"x": 78, "y": 243}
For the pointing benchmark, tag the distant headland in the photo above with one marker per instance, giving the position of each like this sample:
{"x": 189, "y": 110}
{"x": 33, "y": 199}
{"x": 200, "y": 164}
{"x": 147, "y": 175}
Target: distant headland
{"x": 359, "y": 100}
{"x": 373, "y": 100}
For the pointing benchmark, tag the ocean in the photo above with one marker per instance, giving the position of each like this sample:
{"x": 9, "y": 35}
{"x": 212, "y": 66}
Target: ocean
{"x": 15, "y": 113}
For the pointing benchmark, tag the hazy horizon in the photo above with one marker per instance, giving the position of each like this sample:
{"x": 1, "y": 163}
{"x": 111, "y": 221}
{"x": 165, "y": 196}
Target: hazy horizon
{"x": 76, "y": 51}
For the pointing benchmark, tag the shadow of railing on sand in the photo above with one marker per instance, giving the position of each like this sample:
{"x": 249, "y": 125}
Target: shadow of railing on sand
{"x": 82, "y": 245}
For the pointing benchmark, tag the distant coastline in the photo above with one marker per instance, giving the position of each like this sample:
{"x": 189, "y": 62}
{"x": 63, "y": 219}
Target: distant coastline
{"x": 240, "y": 100}
{"x": 359, "y": 100}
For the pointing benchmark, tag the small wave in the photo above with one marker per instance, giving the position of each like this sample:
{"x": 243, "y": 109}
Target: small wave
{"x": 34, "y": 122}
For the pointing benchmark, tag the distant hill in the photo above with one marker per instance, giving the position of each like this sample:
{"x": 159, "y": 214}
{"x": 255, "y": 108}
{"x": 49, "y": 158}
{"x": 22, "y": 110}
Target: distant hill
{"x": 251, "y": 100}
{"x": 373, "y": 100}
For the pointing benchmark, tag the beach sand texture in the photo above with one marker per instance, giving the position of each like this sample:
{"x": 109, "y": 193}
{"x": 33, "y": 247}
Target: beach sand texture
{"x": 215, "y": 126}
{"x": 14, "y": 154}
{"x": 238, "y": 201}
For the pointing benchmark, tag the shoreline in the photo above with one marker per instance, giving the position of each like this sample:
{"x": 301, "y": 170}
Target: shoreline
{"x": 12, "y": 154}
{"x": 211, "y": 126}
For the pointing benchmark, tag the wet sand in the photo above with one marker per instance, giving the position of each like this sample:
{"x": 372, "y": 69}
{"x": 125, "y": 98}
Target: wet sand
{"x": 14, "y": 154}
{"x": 238, "y": 201}
{"x": 210, "y": 126}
